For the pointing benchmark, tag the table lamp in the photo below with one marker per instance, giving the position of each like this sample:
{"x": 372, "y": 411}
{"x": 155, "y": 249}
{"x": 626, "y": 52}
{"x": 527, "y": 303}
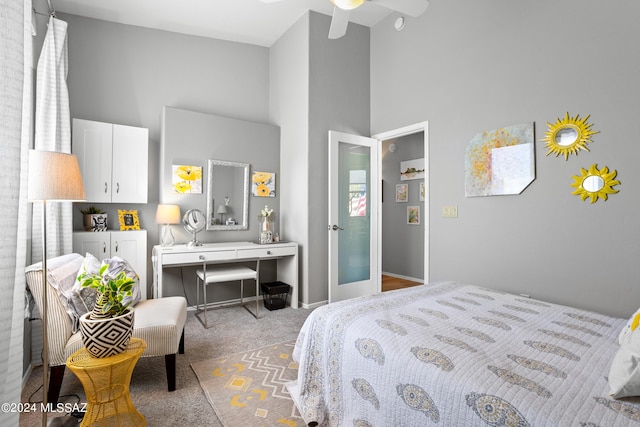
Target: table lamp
{"x": 53, "y": 177}
{"x": 222, "y": 210}
{"x": 167, "y": 214}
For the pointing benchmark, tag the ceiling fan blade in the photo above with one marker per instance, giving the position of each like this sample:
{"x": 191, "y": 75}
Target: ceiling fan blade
{"x": 339, "y": 23}
{"x": 412, "y": 8}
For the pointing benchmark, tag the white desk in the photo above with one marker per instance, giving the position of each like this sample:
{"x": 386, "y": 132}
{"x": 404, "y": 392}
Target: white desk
{"x": 210, "y": 253}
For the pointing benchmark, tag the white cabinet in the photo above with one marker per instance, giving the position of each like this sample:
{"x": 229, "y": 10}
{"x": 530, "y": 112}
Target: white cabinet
{"x": 113, "y": 161}
{"x": 128, "y": 245}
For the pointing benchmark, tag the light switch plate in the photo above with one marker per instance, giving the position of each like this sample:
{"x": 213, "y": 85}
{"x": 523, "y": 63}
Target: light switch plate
{"x": 450, "y": 211}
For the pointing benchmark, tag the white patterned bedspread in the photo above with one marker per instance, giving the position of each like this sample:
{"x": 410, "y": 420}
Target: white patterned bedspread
{"x": 457, "y": 355}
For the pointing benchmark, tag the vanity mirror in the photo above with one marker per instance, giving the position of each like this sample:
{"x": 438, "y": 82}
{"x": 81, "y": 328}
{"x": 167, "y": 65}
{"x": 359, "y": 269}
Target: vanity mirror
{"x": 568, "y": 136}
{"x": 227, "y": 196}
{"x": 595, "y": 183}
{"x": 193, "y": 221}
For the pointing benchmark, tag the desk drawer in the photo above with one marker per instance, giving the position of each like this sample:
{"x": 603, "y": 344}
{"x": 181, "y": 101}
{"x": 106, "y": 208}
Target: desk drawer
{"x": 196, "y": 257}
{"x": 266, "y": 252}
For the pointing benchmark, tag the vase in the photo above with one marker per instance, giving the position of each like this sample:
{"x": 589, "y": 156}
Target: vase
{"x": 104, "y": 337}
{"x": 266, "y": 230}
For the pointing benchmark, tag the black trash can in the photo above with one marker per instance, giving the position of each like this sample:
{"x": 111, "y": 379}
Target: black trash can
{"x": 275, "y": 295}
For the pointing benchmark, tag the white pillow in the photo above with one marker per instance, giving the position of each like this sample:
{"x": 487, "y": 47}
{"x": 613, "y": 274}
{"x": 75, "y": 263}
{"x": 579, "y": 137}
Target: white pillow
{"x": 624, "y": 374}
{"x": 631, "y": 325}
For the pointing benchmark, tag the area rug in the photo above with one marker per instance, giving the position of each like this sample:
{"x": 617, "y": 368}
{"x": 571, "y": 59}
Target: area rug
{"x": 248, "y": 388}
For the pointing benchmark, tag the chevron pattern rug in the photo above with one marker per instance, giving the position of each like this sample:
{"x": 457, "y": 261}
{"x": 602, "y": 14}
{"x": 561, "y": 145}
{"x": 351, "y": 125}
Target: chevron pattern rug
{"x": 248, "y": 389}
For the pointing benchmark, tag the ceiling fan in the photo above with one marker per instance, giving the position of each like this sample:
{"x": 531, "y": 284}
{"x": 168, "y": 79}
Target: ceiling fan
{"x": 341, "y": 9}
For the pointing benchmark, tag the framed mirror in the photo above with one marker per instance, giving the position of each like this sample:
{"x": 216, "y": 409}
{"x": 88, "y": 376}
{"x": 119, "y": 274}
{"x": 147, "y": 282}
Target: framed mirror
{"x": 568, "y": 136}
{"x": 594, "y": 183}
{"x": 227, "y": 195}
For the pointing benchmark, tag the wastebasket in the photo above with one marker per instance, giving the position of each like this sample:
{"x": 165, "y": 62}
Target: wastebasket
{"x": 275, "y": 295}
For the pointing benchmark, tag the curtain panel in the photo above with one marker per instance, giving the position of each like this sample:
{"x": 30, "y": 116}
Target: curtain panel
{"x": 15, "y": 130}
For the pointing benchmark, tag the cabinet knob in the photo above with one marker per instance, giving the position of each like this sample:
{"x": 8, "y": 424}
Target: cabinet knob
{"x": 105, "y": 188}
{"x": 201, "y": 257}
{"x": 104, "y": 248}
{"x": 117, "y": 187}
{"x": 268, "y": 252}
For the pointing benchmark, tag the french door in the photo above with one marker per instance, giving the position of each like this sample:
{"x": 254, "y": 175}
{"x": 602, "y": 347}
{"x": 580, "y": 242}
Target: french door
{"x": 353, "y": 216}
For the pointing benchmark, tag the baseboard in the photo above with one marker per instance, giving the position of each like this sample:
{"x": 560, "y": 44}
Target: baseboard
{"x": 399, "y": 276}
{"x": 314, "y": 305}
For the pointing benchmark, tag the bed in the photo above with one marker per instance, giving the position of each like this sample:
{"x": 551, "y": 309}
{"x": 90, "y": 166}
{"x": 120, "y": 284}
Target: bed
{"x": 459, "y": 355}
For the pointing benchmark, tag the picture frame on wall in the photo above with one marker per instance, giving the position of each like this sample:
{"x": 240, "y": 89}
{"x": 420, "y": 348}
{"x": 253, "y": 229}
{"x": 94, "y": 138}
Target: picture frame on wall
{"x": 422, "y": 192}
{"x": 128, "y": 219}
{"x": 263, "y": 184}
{"x": 402, "y": 193}
{"x": 413, "y": 215}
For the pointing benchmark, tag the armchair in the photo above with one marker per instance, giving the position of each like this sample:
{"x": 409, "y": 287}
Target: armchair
{"x": 160, "y": 322}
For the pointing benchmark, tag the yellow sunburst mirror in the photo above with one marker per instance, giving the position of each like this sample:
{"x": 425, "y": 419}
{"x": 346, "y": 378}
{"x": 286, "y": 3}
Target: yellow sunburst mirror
{"x": 595, "y": 183}
{"x": 568, "y": 136}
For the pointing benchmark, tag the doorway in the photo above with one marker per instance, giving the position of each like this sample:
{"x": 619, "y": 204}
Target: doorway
{"x": 404, "y": 258}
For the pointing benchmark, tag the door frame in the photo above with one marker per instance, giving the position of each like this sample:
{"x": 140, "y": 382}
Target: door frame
{"x": 393, "y": 134}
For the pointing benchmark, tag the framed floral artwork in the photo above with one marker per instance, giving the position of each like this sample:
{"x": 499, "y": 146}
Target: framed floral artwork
{"x": 413, "y": 215}
{"x": 187, "y": 179}
{"x": 402, "y": 193}
{"x": 263, "y": 184}
{"x": 128, "y": 220}
{"x": 422, "y": 192}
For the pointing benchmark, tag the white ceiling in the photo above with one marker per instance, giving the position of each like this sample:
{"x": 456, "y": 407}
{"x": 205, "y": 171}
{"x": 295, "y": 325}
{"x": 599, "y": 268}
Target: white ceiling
{"x": 246, "y": 21}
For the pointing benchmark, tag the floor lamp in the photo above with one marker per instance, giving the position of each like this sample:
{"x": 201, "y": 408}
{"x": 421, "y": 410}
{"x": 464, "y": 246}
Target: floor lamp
{"x": 53, "y": 176}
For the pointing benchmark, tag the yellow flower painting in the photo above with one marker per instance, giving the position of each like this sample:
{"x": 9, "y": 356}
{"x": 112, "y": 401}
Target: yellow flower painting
{"x": 263, "y": 184}
{"x": 187, "y": 179}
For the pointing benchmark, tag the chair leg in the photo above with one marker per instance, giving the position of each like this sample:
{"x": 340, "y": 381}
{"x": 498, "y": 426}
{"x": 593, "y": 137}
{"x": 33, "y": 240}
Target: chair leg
{"x": 181, "y": 345}
{"x": 55, "y": 383}
{"x": 170, "y": 365}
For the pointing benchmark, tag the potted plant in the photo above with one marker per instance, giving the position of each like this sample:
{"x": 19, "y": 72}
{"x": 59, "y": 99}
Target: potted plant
{"x": 94, "y": 219}
{"x": 107, "y": 329}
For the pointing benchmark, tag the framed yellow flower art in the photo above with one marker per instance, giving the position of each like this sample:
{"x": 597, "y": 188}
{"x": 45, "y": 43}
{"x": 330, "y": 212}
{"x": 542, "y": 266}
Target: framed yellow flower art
{"x": 263, "y": 184}
{"x": 187, "y": 179}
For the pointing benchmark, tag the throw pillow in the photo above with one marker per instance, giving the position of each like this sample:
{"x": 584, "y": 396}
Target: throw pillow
{"x": 631, "y": 325}
{"x": 624, "y": 374}
{"x": 82, "y": 300}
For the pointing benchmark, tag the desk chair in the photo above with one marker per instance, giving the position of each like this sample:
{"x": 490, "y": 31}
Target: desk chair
{"x": 224, "y": 273}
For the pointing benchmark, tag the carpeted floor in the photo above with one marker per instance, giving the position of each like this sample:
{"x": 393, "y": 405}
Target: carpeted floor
{"x": 234, "y": 330}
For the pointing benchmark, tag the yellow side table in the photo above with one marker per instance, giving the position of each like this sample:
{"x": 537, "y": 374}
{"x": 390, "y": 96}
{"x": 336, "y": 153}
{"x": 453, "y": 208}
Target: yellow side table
{"x": 106, "y": 384}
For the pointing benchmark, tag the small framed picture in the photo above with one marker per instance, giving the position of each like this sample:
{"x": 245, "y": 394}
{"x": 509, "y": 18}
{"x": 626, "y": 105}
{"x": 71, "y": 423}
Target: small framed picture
{"x": 422, "y": 192}
{"x": 413, "y": 215}
{"x": 128, "y": 220}
{"x": 402, "y": 193}
{"x": 263, "y": 184}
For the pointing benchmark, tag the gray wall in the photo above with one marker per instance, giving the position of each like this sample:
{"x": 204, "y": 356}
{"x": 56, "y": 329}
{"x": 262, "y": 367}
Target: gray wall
{"x": 125, "y": 74}
{"x": 402, "y": 243}
{"x": 191, "y": 138}
{"x": 469, "y": 66}
{"x": 329, "y": 90}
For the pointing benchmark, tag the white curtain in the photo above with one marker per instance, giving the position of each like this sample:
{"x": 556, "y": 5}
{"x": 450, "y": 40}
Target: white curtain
{"x": 53, "y": 133}
{"x": 15, "y": 126}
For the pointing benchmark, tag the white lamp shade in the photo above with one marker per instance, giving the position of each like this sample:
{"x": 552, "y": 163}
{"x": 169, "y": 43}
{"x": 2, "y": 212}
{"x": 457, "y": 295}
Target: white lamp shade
{"x": 168, "y": 214}
{"x": 54, "y": 176}
{"x": 222, "y": 209}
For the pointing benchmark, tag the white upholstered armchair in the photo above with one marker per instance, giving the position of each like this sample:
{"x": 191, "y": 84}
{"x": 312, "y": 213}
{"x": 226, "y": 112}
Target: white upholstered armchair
{"x": 160, "y": 322}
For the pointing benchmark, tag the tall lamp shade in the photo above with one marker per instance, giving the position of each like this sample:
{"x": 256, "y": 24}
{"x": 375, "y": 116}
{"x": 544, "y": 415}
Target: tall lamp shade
{"x": 167, "y": 214}
{"x": 53, "y": 176}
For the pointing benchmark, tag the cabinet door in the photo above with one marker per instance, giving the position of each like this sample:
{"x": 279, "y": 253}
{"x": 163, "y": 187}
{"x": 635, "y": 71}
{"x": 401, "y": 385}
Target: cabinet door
{"x": 97, "y": 244}
{"x": 130, "y": 164}
{"x": 92, "y": 144}
{"x": 132, "y": 247}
